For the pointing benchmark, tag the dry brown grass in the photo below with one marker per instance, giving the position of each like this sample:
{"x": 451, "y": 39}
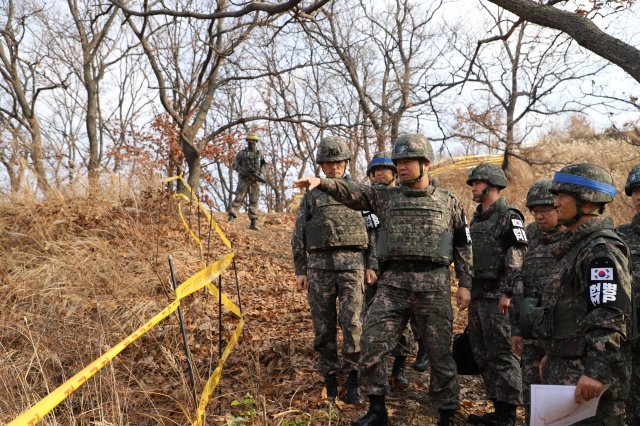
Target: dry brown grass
{"x": 77, "y": 276}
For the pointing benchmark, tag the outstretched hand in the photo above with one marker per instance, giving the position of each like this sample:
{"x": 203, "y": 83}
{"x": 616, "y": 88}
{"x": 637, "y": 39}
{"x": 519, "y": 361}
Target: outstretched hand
{"x": 308, "y": 182}
{"x": 463, "y": 297}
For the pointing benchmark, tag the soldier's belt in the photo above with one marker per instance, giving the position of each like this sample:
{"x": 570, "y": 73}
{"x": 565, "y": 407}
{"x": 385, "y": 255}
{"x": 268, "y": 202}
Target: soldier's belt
{"x": 410, "y": 266}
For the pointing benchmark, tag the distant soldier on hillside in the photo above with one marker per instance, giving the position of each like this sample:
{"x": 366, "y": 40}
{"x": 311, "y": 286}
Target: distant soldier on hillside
{"x": 249, "y": 164}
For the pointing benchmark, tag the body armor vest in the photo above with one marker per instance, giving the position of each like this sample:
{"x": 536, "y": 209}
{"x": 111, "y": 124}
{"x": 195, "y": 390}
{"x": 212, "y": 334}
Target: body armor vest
{"x": 488, "y": 246}
{"x": 569, "y": 308}
{"x": 250, "y": 160}
{"x": 539, "y": 269}
{"x": 334, "y": 225}
{"x": 418, "y": 226}
{"x": 540, "y": 266}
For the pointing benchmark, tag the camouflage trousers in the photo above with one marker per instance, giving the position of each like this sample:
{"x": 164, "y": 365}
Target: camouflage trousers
{"x": 532, "y": 354}
{"x": 490, "y": 336}
{"x": 565, "y": 371}
{"x": 406, "y": 343}
{"x": 387, "y": 318}
{"x": 633, "y": 404}
{"x": 325, "y": 289}
{"x": 253, "y": 188}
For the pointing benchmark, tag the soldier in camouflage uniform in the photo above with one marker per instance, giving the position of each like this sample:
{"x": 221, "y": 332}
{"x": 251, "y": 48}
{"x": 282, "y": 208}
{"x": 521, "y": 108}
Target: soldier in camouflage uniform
{"x": 422, "y": 230}
{"x": 328, "y": 244}
{"x": 584, "y": 314}
{"x": 538, "y": 270}
{"x": 631, "y": 235}
{"x": 249, "y": 164}
{"x": 382, "y": 173}
{"x": 499, "y": 245}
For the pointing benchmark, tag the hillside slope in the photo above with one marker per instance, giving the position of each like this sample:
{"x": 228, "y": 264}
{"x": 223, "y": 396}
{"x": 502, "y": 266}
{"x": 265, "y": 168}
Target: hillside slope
{"x": 78, "y": 275}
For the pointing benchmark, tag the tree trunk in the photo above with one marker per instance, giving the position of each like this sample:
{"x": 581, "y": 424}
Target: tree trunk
{"x": 37, "y": 156}
{"x": 92, "y": 133}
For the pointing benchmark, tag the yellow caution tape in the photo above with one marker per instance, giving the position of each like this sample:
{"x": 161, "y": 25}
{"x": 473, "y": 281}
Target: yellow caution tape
{"x": 34, "y": 414}
{"x": 214, "y": 379}
{"x": 196, "y": 282}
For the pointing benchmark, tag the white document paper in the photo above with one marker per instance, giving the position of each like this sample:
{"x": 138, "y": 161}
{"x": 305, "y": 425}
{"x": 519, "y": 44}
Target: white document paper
{"x": 553, "y": 405}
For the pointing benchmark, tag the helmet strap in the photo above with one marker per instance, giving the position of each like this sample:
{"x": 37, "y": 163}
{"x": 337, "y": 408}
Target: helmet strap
{"x": 579, "y": 213}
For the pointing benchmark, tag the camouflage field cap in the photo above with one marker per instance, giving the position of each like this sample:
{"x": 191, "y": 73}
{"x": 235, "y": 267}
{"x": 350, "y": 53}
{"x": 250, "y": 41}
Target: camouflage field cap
{"x": 539, "y": 195}
{"x": 586, "y": 182}
{"x": 489, "y": 173}
{"x": 381, "y": 159}
{"x": 412, "y": 145}
{"x": 632, "y": 180}
{"x": 332, "y": 148}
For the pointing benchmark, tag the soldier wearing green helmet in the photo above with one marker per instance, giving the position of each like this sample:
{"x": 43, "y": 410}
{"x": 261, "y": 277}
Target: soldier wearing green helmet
{"x": 630, "y": 232}
{"x": 585, "y": 315}
{"x": 249, "y": 164}
{"x": 330, "y": 246}
{"x": 538, "y": 270}
{"x": 499, "y": 245}
{"x": 382, "y": 172}
{"x": 422, "y": 230}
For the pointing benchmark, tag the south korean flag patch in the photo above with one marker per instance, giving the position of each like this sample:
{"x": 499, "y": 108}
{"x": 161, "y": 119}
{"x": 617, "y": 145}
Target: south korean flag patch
{"x": 604, "y": 285}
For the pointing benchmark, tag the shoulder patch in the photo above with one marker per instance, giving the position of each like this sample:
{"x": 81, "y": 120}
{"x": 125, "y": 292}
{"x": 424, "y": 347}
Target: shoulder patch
{"x": 515, "y": 232}
{"x": 605, "y": 289}
{"x": 371, "y": 221}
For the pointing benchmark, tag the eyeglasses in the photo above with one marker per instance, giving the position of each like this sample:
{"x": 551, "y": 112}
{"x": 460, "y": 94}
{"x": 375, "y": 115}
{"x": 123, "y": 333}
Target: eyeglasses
{"x": 541, "y": 211}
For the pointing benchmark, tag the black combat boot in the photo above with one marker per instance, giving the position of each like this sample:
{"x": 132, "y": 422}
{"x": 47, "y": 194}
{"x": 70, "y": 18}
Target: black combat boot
{"x": 353, "y": 393}
{"x": 254, "y": 224}
{"x": 446, "y": 417}
{"x": 398, "y": 377}
{"x": 506, "y": 414}
{"x": 422, "y": 362}
{"x": 485, "y": 419}
{"x": 377, "y": 414}
{"x": 331, "y": 385}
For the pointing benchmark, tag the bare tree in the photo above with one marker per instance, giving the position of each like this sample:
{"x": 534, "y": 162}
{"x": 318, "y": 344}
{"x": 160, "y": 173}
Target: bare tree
{"x": 13, "y": 154}
{"x": 23, "y": 79}
{"x": 93, "y": 24}
{"x": 517, "y": 82}
{"x": 386, "y": 57}
{"x": 578, "y": 25}
{"x": 190, "y": 52}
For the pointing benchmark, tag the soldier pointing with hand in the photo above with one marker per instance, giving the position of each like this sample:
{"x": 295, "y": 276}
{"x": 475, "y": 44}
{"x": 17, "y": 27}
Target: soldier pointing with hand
{"x": 422, "y": 230}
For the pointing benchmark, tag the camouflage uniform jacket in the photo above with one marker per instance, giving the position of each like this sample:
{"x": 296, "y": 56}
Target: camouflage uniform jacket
{"x": 332, "y": 260}
{"x": 248, "y": 161}
{"x": 589, "y": 305}
{"x": 631, "y": 235}
{"x": 377, "y": 200}
{"x": 508, "y": 237}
